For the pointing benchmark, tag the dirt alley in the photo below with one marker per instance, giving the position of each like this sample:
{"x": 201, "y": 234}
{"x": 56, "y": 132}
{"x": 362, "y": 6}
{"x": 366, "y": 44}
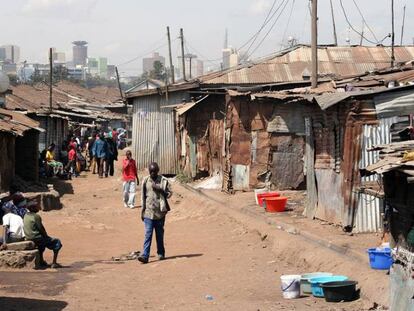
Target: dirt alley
{"x": 208, "y": 253}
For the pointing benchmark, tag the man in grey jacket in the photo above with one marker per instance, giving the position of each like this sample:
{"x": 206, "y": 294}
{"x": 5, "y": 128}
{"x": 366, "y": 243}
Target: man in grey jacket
{"x": 155, "y": 191}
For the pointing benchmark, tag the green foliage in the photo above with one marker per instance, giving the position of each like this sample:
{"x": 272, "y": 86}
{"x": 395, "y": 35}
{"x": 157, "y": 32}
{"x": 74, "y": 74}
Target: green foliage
{"x": 183, "y": 178}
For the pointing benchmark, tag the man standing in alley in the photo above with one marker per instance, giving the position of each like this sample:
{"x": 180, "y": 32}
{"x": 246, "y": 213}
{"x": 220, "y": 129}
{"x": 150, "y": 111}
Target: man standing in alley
{"x": 156, "y": 190}
{"x": 99, "y": 151}
{"x": 130, "y": 177}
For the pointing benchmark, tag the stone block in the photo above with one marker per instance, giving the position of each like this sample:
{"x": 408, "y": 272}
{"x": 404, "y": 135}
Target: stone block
{"x": 21, "y": 246}
{"x": 19, "y": 259}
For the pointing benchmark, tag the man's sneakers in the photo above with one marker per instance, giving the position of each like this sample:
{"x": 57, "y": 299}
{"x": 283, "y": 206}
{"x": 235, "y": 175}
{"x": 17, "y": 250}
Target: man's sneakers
{"x": 142, "y": 259}
{"x": 126, "y": 205}
{"x": 161, "y": 257}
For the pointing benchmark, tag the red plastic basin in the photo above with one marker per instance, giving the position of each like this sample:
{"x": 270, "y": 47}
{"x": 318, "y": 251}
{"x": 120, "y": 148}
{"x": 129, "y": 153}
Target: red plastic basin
{"x": 275, "y": 205}
{"x": 261, "y": 196}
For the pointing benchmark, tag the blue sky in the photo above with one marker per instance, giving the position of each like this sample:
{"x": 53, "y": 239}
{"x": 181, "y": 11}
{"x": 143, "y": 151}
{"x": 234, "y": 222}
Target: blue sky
{"x": 124, "y": 29}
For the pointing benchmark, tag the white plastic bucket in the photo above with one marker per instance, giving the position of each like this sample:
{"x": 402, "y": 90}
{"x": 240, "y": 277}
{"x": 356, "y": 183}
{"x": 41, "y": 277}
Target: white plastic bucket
{"x": 258, "y": 191}
{"x": 290, "y": 285}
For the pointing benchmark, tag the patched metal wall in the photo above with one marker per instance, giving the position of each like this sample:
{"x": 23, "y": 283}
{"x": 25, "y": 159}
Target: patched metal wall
{"x": 368, "y": 215}
{"x": 153, "y": 132}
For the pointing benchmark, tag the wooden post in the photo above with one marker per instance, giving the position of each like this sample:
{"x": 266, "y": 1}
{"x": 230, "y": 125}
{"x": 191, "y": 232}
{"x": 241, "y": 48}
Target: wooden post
{"x": 50, "y": 80}
{"x": 182, "y": 53}
{"x": 402, "y": 28}
{"x": 334, "y": 25}
{"x": 392, "y": 35}
{"x": 170, "y": 55}
{"x": 314, "y": 44}
{"x": 119, "y": 84}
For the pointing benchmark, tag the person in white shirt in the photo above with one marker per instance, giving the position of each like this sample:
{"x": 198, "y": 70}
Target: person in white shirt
{"x": 12, "y": 227}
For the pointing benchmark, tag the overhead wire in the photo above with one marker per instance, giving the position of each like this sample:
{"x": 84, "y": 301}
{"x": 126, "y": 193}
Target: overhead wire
{"x": 284, "y": 3}
{"x": 364, "y": 20}
{"x": 353, "y": 28}
{"x": 253, "y": 38}
{"x": 288, "y": 22}
{"x": 146, "y": 53}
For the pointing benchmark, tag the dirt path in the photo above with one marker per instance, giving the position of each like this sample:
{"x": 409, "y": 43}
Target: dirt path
{"x": 208, "y": 253}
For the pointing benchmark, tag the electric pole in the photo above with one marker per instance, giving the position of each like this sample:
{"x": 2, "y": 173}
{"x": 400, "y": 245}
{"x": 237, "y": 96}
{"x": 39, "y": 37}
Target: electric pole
{"x": 50, "y": 79}
{"x": 402, "y": 28}
{"x": 314, "y": 44}
{"x": 170, "y": 54}
{"x": 119, "y": 84}
{"x": 334, "y": 25}
{"x": 392, "y": 35}
{"x": 182, "y": 52}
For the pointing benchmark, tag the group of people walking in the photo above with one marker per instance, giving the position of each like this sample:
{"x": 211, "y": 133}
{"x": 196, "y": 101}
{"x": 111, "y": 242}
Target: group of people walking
{"x": 103, "y": 152}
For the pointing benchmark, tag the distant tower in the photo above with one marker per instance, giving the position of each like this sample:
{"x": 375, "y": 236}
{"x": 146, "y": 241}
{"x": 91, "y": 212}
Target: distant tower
{"x": 80, "y": 53}
{"x": 226, "y": 39}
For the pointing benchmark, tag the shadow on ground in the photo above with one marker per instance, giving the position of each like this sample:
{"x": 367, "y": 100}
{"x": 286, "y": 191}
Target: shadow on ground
{"x": 62, "y": 186}
{"x": 17, "y": 304}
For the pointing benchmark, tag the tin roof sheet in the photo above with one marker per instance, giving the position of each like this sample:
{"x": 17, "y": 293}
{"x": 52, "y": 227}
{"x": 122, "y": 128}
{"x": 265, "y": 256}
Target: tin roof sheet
{"x": 289, "y": 65}
{"x": 16, "y": 123}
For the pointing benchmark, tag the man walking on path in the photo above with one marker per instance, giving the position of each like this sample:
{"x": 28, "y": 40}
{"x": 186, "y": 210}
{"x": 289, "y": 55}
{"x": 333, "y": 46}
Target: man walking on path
{"x": 100, "y": 152}
{"x": 130, "y": 177}
{"x": 111, "y": 157}
{"x": 155, "y": 191}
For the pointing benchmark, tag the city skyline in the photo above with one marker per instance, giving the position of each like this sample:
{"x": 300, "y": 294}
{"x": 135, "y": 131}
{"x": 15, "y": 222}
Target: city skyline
{"x": 94, "y": 21}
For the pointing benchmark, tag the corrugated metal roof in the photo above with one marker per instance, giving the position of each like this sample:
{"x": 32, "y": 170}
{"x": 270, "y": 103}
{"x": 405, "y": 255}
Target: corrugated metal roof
{"x": 16, "y": 123}
{"x": 288, "y": 66}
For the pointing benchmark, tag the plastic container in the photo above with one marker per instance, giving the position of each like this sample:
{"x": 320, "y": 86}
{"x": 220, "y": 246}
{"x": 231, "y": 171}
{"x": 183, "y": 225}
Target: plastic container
{"x": 290, "y": 285}
{"x": 261, "y": 196}
{"x": 305, "y": 285}
{"x": 317, "y": 290}
{"x": 275, "y": 205}
{"x": 380, "y": 259}
{"x": 340, "y": 291}
{"x": 257, "y": 192}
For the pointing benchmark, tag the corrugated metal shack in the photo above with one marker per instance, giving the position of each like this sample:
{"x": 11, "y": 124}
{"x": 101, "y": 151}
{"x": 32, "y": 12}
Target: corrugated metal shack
{"x": 153, "y": 130}
{"x": 71, "y": 104}
{"x": 356, "y": 121}
{"x": 284, "y": 70}
{"x": 19, "y": 136}
{"x": 397, "y": 171}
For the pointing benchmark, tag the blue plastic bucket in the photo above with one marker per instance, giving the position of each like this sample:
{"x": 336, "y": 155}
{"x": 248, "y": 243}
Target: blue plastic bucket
{"x": 380, "y": 259}
{"x": 305, "y": 285}
{"x": 317, "y": 290}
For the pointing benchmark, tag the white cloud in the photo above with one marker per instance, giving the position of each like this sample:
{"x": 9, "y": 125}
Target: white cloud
{"x": 260, "y": 6}
{"x": 74, "y": 10}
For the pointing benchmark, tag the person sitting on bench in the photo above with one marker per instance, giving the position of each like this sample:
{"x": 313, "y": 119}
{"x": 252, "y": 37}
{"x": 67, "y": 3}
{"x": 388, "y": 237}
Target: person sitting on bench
{"x": 12, "y": 227}
{"x": 34, "y": 231}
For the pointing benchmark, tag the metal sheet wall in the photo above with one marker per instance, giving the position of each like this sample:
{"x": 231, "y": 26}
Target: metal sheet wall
{"x": 153, "y": 131}
{"x": 368, "y": 215}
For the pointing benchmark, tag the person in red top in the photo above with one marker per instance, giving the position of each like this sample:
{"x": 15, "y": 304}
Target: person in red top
{"x": 130, "y": 177}
{"x": 71, "y": 167}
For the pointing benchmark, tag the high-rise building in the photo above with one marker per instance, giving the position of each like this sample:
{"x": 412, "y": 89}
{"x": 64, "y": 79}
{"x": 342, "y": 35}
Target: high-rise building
{"x": 148, "y": 63}
{"x": 111, "y": 72}
{"x": 93, "y": 66}
{"x": 191, "y": 63}
{"x": 80, "y": 53}
{"x": 97, "y": 67}
{"x": 2, "y": 54}
{"x": 103, "y": 67}
{"x": 11, "y": 53}
{"x": 58, "y": 57}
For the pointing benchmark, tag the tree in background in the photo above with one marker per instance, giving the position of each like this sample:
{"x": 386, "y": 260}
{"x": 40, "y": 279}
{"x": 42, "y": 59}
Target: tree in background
{"x": 158, "y": 71}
